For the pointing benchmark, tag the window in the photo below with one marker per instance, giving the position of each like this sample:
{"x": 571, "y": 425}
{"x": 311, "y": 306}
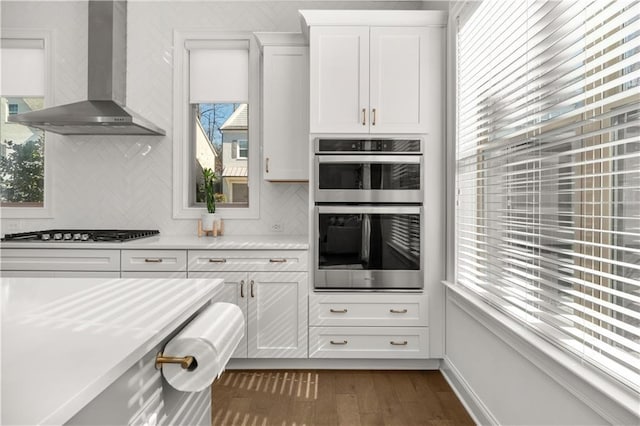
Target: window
{"x": 243, "y": 149}
{"x": 23, "y": 185}
{"x": 217, "y": 75}
{"x": 548, "y": 173}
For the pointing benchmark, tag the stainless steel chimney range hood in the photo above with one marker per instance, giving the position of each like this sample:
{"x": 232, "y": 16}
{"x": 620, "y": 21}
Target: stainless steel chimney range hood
{"x": 104, "y": 112}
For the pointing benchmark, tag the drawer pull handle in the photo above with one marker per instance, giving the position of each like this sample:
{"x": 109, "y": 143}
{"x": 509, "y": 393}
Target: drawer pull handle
{"x": 242, "y": 288}
{"x": 403, "y": 343}
{"x": 338, "y": 311}
{"x": 153, "y": 260}
{"x": 344, "y": 342}
{"x": 398, "y": 311}
{"x": 278, "y": 260}
{"x": 217, "y": 260}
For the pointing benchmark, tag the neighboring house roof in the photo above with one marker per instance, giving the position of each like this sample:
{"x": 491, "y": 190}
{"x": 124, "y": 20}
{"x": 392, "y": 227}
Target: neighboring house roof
{"x": 234, "y": 171}
{"x": 237, "y": 120}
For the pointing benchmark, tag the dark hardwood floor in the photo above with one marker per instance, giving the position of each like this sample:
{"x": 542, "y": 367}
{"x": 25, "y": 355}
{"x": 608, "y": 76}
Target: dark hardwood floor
{"x": 335, "y": 397}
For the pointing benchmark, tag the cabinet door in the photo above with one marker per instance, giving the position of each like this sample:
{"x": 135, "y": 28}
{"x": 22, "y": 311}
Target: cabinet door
{"x": 234, "y": 290}
{"x": 399, "y": 95}
{"x": 285, "y": 121}
{"x": 278, "y": 315}
{"x": 339, "y": 79}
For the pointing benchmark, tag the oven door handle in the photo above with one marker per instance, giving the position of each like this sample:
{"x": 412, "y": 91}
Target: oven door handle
{"x": 373, "y": 159}
{"x": 369, "y": 209}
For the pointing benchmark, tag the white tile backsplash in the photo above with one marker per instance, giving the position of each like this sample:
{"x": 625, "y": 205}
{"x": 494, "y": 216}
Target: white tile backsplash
{"x": 125, "y": 181}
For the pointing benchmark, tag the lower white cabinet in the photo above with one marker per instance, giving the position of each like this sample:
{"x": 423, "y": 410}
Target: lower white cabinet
{"x": 275, "y": 310}
{"x": 271, "y": 288}
{"x": 368, "y": 325}
{"x": 368, "y": 342}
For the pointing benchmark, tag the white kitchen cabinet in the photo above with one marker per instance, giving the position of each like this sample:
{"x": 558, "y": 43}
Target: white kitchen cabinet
{"x": 372, "y": 79}
{"x": 373, "y": 309}
{"x": 368, "y": 342}
{"x": 271, "y": 288}
{"x": 368, "y": 325}
{"x": 339, "y": 79}
{"x": 247, "y": 260}
{"x": 154, "y": 263}
{"x": 285, "y": 120}
{"x": 55, "y": 262}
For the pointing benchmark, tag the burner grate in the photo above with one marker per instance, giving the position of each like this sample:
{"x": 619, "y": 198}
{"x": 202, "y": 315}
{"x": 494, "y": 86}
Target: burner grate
{"x": 82, "y": 235}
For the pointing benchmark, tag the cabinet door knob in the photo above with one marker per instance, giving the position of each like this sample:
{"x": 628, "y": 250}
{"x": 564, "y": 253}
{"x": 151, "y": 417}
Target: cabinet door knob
{"x": 403, "y": 343}
{"x": 333, "y": 342}
{"x": 242, "y": 288}
{"x": 364, "y": 116}
{"x": 373, "y": 117}
{"x": 338, "y": 311}
{"x": 398, "y": 311}
{"x": 153, "y": 260}
{"x": 251, "y": 285}
{"x": 217, "y": 260}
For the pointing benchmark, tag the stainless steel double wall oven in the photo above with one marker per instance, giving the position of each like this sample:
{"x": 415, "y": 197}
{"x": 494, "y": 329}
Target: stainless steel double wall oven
{"x": 368, "y": 214}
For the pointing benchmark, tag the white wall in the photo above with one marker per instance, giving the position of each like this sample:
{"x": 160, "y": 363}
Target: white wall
{"x": 125, "y": 181}
{"x": 510, "y": 389}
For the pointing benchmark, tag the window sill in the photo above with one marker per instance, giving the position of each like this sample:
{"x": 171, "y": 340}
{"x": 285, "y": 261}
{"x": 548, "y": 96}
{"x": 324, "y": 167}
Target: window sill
{"x": 612, "y": 400}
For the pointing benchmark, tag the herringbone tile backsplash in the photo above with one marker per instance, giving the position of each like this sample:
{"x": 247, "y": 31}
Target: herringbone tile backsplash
{"x": 111, "y": 181}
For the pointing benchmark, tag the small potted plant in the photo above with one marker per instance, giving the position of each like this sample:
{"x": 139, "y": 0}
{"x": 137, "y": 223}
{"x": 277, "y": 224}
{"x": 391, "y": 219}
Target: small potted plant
{"x": 209, "y": 218}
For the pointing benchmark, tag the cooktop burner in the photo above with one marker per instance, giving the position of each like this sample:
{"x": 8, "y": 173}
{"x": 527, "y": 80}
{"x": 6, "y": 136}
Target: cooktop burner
{"x": 115, "y": 235}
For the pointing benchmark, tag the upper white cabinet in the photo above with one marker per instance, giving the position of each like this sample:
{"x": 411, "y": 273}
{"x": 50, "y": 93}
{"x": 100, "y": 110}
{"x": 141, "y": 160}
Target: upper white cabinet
{"x": 339, "y": 73}
{"x": 285, "y": 95}
{"x": 378, "y": 75}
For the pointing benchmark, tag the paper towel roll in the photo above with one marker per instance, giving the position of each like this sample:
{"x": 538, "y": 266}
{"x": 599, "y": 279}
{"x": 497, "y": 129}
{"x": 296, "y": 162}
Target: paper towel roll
{"x": 211, "y": 339}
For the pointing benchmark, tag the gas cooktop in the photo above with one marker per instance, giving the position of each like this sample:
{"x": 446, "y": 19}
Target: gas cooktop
{"x": 81, "y": 235}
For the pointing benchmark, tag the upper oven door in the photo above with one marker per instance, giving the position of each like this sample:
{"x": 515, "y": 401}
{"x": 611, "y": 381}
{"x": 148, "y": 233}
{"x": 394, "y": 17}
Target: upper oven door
{"x": 368, "y": 178}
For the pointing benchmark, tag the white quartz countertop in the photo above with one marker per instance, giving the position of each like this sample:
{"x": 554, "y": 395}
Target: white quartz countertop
{"x": 65, "y": 340}
{"x": 192, "y": 242}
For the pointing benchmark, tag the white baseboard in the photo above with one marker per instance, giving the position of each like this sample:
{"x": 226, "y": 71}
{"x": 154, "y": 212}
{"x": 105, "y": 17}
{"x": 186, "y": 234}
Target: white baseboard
{"x": 479, "y": 412}
{"x": 333, "y": 364}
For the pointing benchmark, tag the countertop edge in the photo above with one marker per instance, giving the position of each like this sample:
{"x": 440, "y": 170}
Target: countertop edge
{"x": 244, "y": 242}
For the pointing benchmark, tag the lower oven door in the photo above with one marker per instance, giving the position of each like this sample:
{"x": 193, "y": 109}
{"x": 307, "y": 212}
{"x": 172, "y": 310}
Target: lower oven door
{"x": 368, "y": 247}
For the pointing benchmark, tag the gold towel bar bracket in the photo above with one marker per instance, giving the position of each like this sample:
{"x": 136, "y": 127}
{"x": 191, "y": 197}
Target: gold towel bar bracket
{"x": 185, "y": 362}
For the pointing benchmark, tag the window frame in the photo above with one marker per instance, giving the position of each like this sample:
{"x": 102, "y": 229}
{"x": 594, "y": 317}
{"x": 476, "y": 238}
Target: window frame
{"x": 46, "y": 210}
{"x": 182, "y": 144}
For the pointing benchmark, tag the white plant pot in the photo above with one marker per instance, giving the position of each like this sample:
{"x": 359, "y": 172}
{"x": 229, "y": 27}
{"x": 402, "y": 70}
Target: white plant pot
{"x": 208, "y": 220}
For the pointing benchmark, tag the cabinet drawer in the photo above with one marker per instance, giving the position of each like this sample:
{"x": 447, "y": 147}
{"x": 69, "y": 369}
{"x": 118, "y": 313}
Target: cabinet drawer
{"x": 154, "y": 260}
{"x": 247, "y": 260}
{"x": 370, "y": 309}
{"x": 368, "y": 342}
{"x": 59, "y": 260}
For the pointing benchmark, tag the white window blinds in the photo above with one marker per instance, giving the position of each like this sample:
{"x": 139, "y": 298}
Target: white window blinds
{"x": 218, "y": 71}
{"x": 23, "y": 68}
{"x": 548, "y": 172}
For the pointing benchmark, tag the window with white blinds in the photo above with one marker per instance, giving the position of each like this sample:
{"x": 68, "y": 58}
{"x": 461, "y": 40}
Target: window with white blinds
{"x": 548, "y": 172}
